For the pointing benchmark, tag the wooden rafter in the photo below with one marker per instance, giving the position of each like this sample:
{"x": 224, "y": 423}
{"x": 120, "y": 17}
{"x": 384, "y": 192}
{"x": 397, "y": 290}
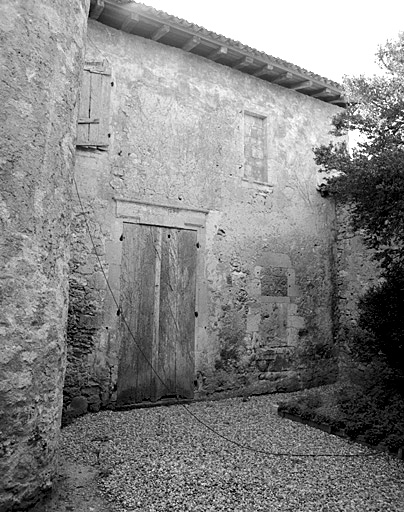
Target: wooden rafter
{"x": 321, "y": 93}
{"x": 96, "y": 8}
{"x": 243, "y": 63}
{"x": 160, "y": 32}
{"x": 191, "y": 43}
{"x": 282, "y": 78}
{"x": 339, "y": 100}
{"x": 264, "y": 70}
{"x": 219, "y": 52}
{"x": 117, "y": 15}
{"x": 301, "y": 85}
{"x": 129, "y": 22}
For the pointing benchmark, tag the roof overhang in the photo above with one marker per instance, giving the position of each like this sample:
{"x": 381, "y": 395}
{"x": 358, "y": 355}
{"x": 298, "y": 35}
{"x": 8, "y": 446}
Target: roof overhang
{"x": 141, "y": 20}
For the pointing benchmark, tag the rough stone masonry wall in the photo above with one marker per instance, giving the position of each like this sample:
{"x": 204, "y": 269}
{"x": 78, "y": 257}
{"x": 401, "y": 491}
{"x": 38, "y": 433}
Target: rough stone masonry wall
{"x": 357, "y": 271}
{"x": 40, "y": 67}
{"x": 194, "y": 143}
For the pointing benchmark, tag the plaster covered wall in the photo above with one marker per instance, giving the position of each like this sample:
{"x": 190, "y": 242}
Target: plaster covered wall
{"x": 357, "y": 271}
{"x": 40, "y": 66}
{"x": 194, "y": 143}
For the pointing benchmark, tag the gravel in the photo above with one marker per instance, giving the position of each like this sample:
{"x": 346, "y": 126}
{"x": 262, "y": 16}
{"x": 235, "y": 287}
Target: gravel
{"x": 162, "y": 459}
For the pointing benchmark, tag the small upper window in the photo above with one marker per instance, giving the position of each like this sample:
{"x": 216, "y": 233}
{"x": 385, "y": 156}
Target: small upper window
{"x": 92, "y": 130}
{"x": 255, "y": 148}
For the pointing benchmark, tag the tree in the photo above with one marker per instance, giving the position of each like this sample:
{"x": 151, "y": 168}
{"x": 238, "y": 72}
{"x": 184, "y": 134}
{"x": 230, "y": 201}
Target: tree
{"x": 370, "y": 179}
{"x": 371, "y": 176}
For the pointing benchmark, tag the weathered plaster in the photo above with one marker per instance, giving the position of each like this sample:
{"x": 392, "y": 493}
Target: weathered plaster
{"x": 40, "y": 66}
{"x": 177, "y": 126}
{"x": 356, "y": 272}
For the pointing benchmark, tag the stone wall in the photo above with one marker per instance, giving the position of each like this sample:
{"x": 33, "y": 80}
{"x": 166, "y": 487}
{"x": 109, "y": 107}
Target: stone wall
{"x": 40, "y": 66}
{"x": 196, "y": 145}
{"x": 356, "y": 272}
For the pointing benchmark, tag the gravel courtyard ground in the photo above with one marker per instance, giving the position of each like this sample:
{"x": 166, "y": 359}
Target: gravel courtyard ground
{"x": 162, "y": 459}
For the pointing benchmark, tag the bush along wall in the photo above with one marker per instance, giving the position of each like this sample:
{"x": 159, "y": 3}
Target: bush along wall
{"x": 368, "y": 182}
{"x": 375, "y": 417}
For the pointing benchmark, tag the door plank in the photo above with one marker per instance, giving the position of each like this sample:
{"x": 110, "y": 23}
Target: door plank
{"x": 168, "y": 305}
{"x": 157, "y": 377}
{"x": 187, "y": 255}
{"x": 158, "y": 284}
{"x": 137, "y": 304}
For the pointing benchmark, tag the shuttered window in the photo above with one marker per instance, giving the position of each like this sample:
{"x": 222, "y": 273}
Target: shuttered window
{"x": 92, "y": 130}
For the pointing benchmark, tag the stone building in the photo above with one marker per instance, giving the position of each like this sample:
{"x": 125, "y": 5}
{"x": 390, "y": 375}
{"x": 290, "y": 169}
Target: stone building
{"x": 202, "y": 259}
{"x": 198, "y": 205}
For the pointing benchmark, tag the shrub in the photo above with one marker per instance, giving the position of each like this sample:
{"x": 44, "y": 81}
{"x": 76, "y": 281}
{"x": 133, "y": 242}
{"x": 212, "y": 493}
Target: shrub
{"x": 394, "y": 441}
{"x": 373, "y": 413}
{"x": 381, "y": 315}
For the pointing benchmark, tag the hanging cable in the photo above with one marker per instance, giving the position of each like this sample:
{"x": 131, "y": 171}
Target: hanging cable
{"x": 194, "y": 416}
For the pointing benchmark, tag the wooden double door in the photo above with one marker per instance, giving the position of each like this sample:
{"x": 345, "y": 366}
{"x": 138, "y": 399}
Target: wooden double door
{"x": 157, "y": 325}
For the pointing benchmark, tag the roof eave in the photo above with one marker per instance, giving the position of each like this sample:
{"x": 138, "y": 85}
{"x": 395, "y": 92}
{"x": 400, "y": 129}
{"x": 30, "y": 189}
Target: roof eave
{"x": 147, "y": 22}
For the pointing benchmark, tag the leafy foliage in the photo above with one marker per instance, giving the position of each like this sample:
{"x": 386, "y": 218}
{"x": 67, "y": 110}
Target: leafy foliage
{"x": 381, "y": 314}
{"x": 371, "y": 176}
{"x": 370, "y": 179}
{"x": 373, "y": 412}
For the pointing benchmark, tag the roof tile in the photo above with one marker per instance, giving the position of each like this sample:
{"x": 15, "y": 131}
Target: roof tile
{"x": 200, "y": 31}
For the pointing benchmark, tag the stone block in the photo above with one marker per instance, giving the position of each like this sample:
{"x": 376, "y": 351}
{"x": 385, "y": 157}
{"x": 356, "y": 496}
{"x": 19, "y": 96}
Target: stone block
{"x": 292, "y": 309}
{"x": 90, "y": 321}
{"x": 253, "y": 322}
{"x": 257, "y": 272}
{"x": 292, "y": 336}
{"x": 274, "y": 300}
{"x": 105, "y": 398}
{"x": 291, "y": 275}
{"x": 114, "y": 274}
{"x": 262, "y": 365}
{"x": 298, "y": 322}
{"x": 293, "y": 291}
{"x": 279, "y": 363}
{"x": 78, "y": 405}
{"x": 98, "y": 281}
{"x": 86, "y": 269}
{"x": 273, "y": 323}
{"x": 113, "y": 251}
{"x": 90, "y": 391}
{"x": 254, "y": 287}
{"x": 94, "y": 407}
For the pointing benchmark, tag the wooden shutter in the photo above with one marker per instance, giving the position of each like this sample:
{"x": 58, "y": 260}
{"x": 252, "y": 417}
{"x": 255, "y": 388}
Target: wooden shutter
{"x": 92, "y": 130}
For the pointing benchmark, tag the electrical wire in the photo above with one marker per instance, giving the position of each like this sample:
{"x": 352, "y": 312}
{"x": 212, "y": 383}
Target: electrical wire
{"x": 196, "y": 418}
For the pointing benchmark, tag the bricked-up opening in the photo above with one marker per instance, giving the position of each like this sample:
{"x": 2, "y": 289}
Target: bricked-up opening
{"x": 274, "y": 282}
{"x": 255, "y": 148}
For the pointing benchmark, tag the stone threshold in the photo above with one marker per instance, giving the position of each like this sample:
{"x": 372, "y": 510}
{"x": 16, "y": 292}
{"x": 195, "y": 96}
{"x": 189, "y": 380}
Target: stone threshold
{"x": 214, "y": 397}
{"x": 158, "y": 403}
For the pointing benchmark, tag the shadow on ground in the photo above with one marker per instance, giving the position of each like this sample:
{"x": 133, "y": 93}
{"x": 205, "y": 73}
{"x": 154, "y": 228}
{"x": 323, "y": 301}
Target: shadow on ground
{"x": 75, "y": 490}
